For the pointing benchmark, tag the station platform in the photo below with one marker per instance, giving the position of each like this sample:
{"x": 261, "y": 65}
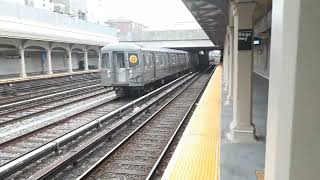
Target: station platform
{"x": 245, "y": 161}
{"x": 204, "y": 151}
{"x": 5, "y": 79}
{"x": 197, "y": 154}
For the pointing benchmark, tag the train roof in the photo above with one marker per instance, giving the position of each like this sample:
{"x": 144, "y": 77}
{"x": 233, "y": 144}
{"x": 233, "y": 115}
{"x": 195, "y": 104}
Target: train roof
{"x": 136, "y": 47}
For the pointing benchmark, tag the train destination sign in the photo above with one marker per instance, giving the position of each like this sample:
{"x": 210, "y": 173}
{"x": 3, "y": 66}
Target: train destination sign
{"x": 133, "y": 59}
{"x": 245, "y": 39}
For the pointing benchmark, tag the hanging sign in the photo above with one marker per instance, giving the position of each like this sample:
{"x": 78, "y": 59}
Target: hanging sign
{"x": 245, "y": 39}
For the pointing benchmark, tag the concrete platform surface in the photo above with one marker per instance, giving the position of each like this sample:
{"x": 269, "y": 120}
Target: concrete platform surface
{"x": 241, "y": 161}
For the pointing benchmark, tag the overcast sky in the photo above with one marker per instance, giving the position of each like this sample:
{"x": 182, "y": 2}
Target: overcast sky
{"x": 156, "y": 14}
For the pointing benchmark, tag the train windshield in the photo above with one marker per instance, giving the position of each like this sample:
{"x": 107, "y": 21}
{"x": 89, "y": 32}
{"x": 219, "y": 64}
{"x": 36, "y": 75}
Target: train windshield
{"x": 120, "y": 60}
{"x": 105, "y": 63}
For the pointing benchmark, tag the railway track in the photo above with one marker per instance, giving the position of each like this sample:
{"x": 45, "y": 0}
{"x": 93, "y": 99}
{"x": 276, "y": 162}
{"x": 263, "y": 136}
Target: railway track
{"x": 11, "y": 104}
{"x": 44, "y": 162}
{"x": 138, "y": 156}
{"x": 52, "y": 103}
{"x": 10, "y": 92}
{"x": 27, "y": 142}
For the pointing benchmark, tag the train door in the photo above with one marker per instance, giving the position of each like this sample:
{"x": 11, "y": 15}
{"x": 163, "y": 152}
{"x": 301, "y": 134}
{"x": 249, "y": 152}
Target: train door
{"x": 120, "y": 68}
{"x": 153, "y": 62}
{"x": 168, "y": 65}
{"x": 106, "y": 74}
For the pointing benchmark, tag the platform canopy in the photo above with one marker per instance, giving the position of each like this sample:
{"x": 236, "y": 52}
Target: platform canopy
{"x": 212, "y": 15}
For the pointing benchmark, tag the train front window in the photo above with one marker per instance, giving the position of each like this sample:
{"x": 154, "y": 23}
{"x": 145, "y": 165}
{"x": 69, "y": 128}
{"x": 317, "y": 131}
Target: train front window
{"x": 120, "y": 60}
{"x": 105, "y": 63}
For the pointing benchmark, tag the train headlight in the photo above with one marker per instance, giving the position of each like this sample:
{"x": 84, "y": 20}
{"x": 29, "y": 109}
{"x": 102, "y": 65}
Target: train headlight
{"x": 130, "y": 73}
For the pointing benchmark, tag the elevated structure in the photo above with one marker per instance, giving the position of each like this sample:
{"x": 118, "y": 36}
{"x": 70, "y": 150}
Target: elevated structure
{"x": 39, "y": 41}
{"x": 212, "y": 17}
{"x": 29, "y": 23}
{"x": 180, "y": 39}
{"x": 124, "y": 25}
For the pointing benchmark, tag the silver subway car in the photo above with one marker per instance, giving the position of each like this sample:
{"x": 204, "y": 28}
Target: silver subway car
{"x": 134, "y": 68}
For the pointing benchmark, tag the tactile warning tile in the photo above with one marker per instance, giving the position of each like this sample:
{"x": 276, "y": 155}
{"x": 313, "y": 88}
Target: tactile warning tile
{"x": 260, "y": 175}
{"x": 198, "y": 152}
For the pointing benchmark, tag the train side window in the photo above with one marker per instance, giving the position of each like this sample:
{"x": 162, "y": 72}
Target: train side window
{"x": 172, "y": 59}
{"x": 161, "y": 60}
{"x": 151, "y": 60}
{"x": 145, "y": 63}
{"x": 181, "y": 59}
{"x": 176, "y": 59}
{"x": 105, "y": 62}
{"x": 120, "y": 60}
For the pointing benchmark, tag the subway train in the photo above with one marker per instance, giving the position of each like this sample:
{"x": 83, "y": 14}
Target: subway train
{"x": 132, "y": 69}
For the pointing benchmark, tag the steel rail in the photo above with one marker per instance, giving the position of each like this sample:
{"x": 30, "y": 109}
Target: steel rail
{"x": 165, "y": 150}
{"x": 108, "y": 100}
{"x": 78, "y": 152}
{"x": 43, "y": 91}
{"x": 113, "y": 150}
{"x": 2, "y": 123}
{"x": 6, "y": 106}
{"x": 19, "y": 163}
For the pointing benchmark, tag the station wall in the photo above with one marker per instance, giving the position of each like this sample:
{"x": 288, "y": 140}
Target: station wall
{"x": 9, "y": 66}
{"x": 261, "y": 57}
{"x": 59, "y": 60}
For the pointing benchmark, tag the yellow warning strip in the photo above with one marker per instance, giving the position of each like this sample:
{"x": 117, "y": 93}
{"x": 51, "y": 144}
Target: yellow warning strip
{"x": 260, "y": 175}
{"x": 197, "y": 155}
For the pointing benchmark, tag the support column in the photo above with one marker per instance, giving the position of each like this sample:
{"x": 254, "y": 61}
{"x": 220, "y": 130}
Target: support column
{"x": 231, "y": 62}
{"x": 241, "y": 128}
{"x": 49, "y": 61}
{"x": 70, "y": 61}
{"x": 23, "y": 73}
{"x": 99, "y": 61}
{"x": 226, "y": 63}
{"x": 86, "y": 66}
{"x": 292, "y": 148}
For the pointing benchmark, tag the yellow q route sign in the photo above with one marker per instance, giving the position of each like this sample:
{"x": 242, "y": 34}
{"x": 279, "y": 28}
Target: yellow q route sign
{"x": 133, "y": 59}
